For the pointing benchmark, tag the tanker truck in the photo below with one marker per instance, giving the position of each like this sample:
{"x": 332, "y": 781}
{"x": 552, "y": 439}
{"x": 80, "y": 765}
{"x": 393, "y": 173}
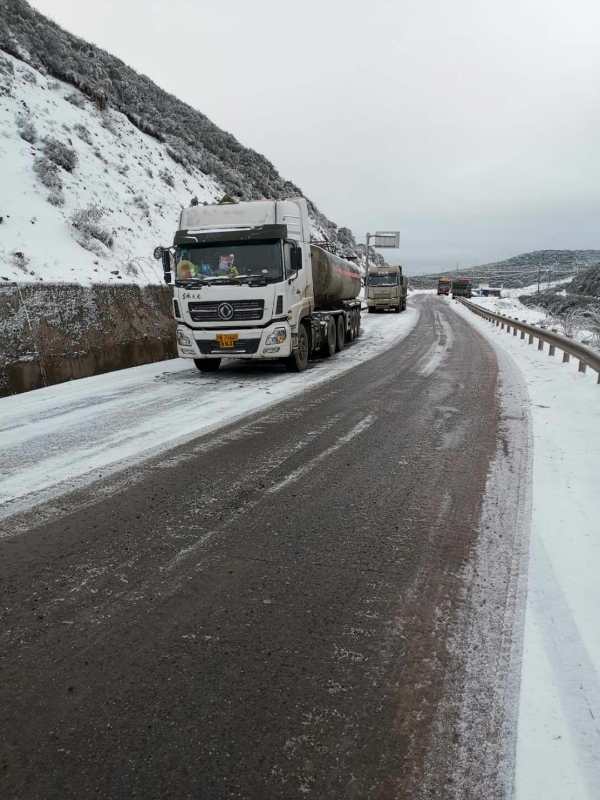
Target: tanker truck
{"x": 248, "y": 283}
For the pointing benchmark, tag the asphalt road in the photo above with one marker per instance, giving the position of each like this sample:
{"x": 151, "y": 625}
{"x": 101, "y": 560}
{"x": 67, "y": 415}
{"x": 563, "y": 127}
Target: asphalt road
{"x": 280, "y": 609}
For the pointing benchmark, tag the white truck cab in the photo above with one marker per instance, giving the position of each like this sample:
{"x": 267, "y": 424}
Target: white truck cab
{"x": 242, "y": 279}
{"x": 243, "y": 284}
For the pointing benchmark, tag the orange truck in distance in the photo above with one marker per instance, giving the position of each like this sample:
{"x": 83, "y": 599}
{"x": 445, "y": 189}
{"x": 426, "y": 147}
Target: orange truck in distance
{"x": 444, "y": 285}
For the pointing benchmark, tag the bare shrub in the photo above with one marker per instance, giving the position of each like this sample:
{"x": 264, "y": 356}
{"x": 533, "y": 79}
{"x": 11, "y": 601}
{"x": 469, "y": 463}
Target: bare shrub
{"x": 76, "y": 99}
{"x": 48, "y": 173}
{"x": 108, "y": 123}
{"x": 20, "y": 260}
{"x": 570, "y": 322}
{"x": 83, "y": 133}
{"x": 56, "y": 198}
{"x": 60, "y": 153}
{"x": 27, "y": 130}
{"x": 592, "y": 323}
{"x": 141, "y": 203}
{"x": 86, "y": 223}
{"x": 28, "y": 76}
{"x": 167, "y": 177}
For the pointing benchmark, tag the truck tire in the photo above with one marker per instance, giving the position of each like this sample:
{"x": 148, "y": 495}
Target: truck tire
{"x": 372, "y": 310}
{"x": 398, "y": 309}
{"x": 207, "y": 364}
{"x": 340, "y": 339}
{"x": 328, "y": 346}
{"x": 358, "y": 321}
{"x": 298, "y": 361}
{"x": 350, "y": 328}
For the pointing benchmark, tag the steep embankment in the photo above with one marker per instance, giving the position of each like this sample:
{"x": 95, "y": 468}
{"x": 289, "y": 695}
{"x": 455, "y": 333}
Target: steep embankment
{"x": 580, "y": 296}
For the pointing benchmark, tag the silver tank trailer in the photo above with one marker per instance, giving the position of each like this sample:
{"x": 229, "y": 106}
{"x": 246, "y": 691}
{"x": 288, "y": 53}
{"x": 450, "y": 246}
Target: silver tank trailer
{"x": 334, "y": 279}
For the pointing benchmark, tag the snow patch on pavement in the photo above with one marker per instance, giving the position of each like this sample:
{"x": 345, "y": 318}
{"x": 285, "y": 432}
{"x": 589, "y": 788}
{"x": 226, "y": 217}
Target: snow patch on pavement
{"x": 439, "y": 349}
{"x": 64, "y": 437}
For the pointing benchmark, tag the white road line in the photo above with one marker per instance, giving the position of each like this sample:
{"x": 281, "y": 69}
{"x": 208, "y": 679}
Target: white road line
{"x": 365, "y": 423}
{"x": 298, "y": 473}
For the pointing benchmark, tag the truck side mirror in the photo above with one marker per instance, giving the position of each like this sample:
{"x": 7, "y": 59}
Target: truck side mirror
{"x": 296, "y": 258}
{"x": 166, "y": 264}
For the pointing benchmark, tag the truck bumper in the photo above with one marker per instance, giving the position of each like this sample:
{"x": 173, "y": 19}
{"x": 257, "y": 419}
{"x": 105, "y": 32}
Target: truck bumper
{"x": 384, "y": 302}
{"x": 262, "y": 343}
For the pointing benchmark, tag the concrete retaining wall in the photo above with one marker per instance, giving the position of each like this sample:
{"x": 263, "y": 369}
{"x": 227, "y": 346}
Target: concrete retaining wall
{"x": 57, "y": 332}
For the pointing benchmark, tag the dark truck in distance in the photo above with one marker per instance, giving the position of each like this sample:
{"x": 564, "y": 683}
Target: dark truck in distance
{"x": 461, "y": 287}
{"x": 443, "y": 286}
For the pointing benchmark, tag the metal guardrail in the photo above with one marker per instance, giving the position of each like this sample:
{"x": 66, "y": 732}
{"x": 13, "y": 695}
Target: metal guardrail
{"x": 585, "y": 355}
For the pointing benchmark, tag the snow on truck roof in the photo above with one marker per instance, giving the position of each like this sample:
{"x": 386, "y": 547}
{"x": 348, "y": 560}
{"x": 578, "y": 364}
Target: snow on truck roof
{"x": 252, "y": 214}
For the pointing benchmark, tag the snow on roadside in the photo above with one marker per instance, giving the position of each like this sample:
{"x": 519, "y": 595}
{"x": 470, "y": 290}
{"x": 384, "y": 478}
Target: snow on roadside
{"x": 558, "y": 740}
{"x": 511, "y": 307}
{"x": 67, "y": 436}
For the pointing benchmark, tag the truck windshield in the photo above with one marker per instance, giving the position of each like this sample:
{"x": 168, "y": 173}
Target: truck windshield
{"x": 231, "y": 260}
{"x": 383, "y": 279}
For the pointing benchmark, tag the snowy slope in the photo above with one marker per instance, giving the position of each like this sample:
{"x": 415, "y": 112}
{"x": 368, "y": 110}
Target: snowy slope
{"x": 118, "y": 171}
{"x": 127, "y": 175}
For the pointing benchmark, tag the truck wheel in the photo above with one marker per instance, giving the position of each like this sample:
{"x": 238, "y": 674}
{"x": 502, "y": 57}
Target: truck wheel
{"x": 358, "y": 322}
{"x": 328, "y": 346}
{"x": 340, "y": 339}
{"x": 298, "y": 360}
{"x": 207, "y": 364}
{"x": 350, "y": 328}
{"x": 397, "y": 309}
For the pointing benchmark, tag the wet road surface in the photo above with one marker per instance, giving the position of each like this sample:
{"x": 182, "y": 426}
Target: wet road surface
{"x": 279, "y": 609}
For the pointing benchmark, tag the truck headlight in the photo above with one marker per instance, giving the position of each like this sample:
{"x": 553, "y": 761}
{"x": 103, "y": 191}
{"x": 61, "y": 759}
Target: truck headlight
{"x": 183, "y": 339}
{"x": 278, "y": 336}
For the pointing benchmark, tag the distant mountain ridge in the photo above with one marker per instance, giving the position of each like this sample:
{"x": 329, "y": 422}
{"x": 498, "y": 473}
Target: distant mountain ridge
{"x": 190, "y": 138}
{"x": 521, "y": 270}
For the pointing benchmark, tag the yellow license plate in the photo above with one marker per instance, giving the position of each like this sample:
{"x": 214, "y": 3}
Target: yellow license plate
{"x": 227, "y": 339}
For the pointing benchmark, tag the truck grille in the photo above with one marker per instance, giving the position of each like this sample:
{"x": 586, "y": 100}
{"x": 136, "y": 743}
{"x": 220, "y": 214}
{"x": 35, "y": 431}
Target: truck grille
{"x": 209, "y": 347}
{"x": 227, "y": 311}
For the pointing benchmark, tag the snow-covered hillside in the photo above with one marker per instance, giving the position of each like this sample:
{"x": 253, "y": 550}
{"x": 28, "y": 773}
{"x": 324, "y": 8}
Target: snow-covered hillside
{"x": 121, "y": 198}
{"x": 85, "y": 196}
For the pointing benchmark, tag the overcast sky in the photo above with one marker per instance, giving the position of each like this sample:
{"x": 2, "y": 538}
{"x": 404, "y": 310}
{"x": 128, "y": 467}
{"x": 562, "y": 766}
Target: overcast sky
{"x": 471, "y": 125}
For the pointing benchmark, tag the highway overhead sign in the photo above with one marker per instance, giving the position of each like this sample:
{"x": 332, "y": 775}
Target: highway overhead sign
{"x": 386, "y": 239}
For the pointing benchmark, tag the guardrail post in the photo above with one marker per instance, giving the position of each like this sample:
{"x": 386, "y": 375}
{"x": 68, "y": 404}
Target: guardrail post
{"x": 582, "y": 366}
{"x": 522, "y": 334}
{"x": 531, "y": 338}
{"x": 501, "y": 326}
{"x": 514, "y": 331}
{"x": 551, "y": 350}
{"x": 540, "y": 344}
{"x": 566, "y": 358}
